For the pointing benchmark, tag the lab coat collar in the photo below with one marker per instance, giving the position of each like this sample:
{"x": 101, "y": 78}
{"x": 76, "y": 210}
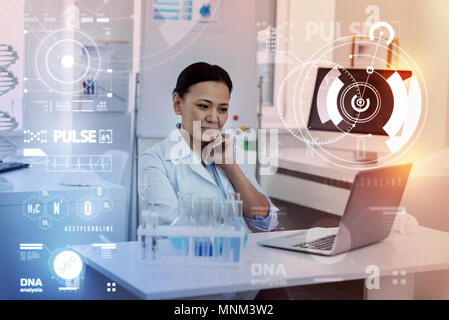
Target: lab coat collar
{"x": 178, "y": 151}
{"x": 176, "y": 148}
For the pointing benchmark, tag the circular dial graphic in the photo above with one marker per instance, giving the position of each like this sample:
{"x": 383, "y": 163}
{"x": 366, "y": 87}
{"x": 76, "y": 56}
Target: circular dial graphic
{"x": 65, "y": 58}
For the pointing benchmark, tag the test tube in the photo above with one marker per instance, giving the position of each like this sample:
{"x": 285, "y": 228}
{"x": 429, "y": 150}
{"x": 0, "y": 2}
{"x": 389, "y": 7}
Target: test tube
{"x": 238, "y": 214}
{"x": 233, "y": 196}
{"x": 203, "y": 208}
{"x": 218, "y": 219}
{"x": 210, "y": 222}
{"x": 218, "y": 224}
{"x": 228, "y": 214}
{"x": 153, "y": 223}
{"x": 187, "y": 216}
{"x": 181, "y": 244}
{"x": 184, "y": 209}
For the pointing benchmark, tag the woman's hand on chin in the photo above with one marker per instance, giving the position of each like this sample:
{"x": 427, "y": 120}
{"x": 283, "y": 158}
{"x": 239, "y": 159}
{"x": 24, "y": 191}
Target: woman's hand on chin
{"x": 220, "y": 151}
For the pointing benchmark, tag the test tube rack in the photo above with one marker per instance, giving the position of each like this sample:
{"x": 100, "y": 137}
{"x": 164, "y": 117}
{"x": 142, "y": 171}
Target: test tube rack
{"x": 196, "y": 246}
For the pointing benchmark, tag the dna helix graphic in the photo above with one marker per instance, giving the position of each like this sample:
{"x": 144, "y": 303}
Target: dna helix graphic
{"x": 8, "y": 81}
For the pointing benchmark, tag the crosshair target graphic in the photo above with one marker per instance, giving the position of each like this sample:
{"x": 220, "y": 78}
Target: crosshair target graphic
{"x": 65, "y": 58}
{"x": 366, "y": 107}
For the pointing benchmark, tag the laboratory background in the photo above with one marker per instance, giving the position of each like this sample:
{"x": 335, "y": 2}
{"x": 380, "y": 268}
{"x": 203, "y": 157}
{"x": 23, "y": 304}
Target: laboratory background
{"x": 325, "y": 93}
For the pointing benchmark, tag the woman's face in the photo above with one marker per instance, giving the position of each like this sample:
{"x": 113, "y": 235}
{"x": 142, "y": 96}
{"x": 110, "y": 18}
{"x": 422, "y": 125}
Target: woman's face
{"x": 207, "y": 103}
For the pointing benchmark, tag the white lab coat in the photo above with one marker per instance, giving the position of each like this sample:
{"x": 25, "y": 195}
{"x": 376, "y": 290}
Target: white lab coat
{"x": 171, "y": 167}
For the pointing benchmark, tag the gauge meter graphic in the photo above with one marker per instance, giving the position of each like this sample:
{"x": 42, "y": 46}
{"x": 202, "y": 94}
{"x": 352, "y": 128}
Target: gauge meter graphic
{"x": 381, "y": 106}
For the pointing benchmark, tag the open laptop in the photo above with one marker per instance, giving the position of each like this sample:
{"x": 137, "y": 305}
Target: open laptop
{"x": 368, "y": 217}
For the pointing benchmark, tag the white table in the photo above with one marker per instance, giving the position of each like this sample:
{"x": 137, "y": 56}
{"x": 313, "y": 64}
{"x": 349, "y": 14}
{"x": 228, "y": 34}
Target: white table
{"x": 397, "y": 258}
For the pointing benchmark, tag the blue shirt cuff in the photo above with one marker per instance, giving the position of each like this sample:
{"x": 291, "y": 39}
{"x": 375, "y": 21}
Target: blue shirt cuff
{"x": 260, "y": 223}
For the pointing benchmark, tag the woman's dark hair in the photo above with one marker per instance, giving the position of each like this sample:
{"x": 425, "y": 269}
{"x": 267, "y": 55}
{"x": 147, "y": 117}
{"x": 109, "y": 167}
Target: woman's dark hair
{"x": 200, "y": 72}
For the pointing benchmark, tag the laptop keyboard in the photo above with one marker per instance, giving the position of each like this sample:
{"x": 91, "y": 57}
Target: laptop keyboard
{"x": 324, "y": 243}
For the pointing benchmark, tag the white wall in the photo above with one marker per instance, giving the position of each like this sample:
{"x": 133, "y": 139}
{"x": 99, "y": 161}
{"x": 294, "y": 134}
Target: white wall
{"x": 233, "y": 48}
{"x": 266, "y": 11}
{"x": 293, "y": 18}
